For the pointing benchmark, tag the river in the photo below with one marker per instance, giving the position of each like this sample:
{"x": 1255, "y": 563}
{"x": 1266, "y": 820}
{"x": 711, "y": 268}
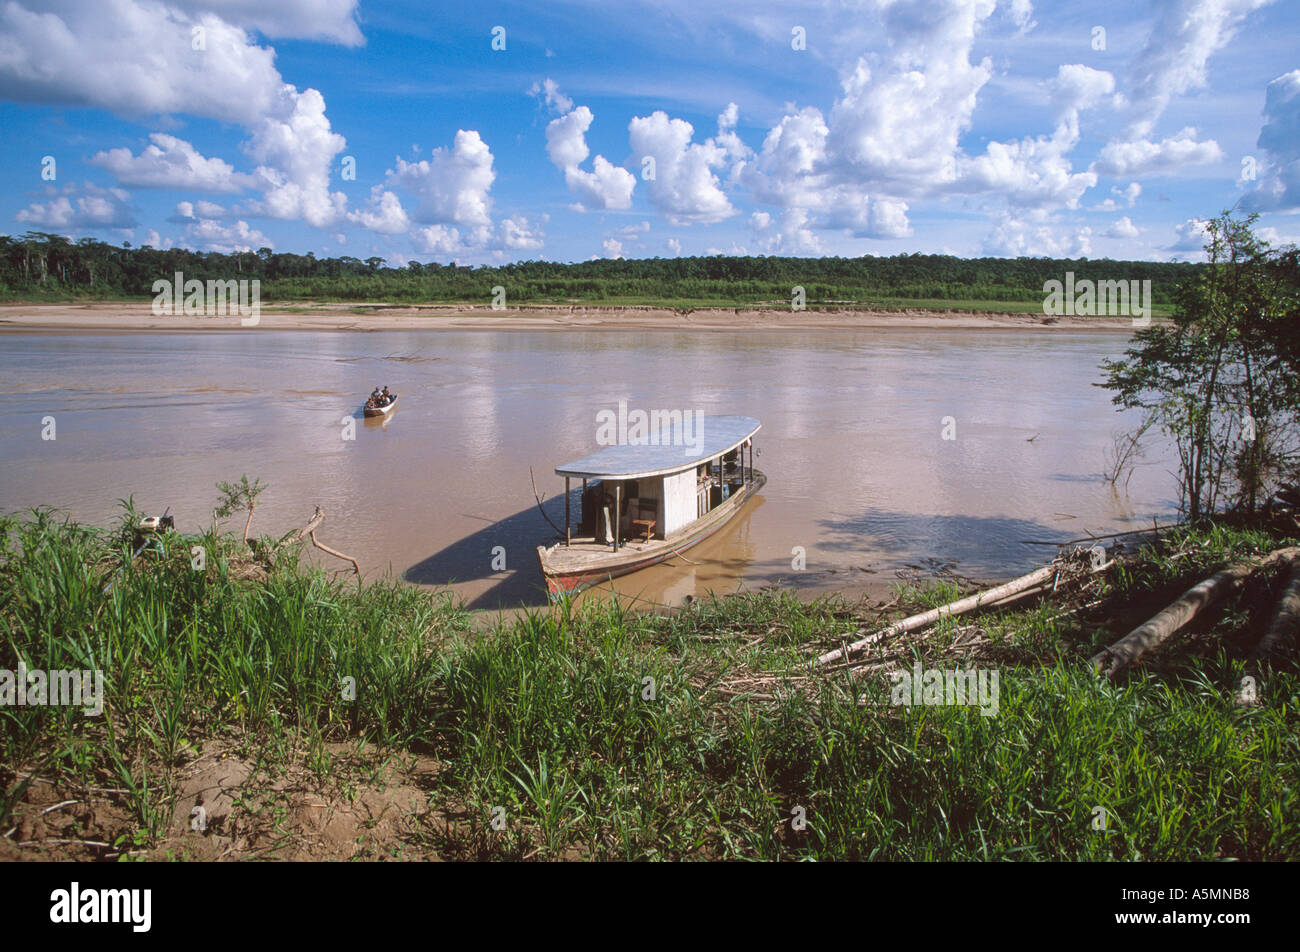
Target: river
{"x": 888, "y": 452}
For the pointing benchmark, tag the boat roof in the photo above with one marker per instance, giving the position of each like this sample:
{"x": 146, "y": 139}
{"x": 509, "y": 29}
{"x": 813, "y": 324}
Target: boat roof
{"x": 661, "y": 455}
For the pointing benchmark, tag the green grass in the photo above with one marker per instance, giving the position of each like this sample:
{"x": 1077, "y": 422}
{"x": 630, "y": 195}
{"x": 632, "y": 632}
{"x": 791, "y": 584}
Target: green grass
{"x": 607, "y": 733}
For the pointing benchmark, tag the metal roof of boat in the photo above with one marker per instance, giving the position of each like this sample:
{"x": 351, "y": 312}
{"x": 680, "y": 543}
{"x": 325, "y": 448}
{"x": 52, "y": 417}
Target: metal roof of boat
{"x": 667, "y": 450}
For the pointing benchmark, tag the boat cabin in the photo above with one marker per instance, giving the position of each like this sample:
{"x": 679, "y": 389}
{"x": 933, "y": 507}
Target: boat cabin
{"x": 657, "y": 489}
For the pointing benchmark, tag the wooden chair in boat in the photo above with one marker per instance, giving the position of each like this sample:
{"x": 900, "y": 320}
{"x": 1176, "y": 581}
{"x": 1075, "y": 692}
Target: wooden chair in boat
{"x": 645, "y": 512}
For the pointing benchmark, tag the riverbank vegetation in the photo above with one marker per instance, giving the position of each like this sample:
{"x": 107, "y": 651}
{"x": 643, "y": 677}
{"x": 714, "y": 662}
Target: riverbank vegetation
{"x": 258, "y": 708}
{"x": 1221, "y": 379}
{"x": 39, "y": 266}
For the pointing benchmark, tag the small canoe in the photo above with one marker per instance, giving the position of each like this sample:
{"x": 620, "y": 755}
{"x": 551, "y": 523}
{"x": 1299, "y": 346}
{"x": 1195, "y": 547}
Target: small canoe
{"x": 380, "y": 411}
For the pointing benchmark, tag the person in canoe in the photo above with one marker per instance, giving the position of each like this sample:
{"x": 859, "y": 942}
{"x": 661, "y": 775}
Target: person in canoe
{"x": 387, "y": 397}
{"x": 375, "y": 397}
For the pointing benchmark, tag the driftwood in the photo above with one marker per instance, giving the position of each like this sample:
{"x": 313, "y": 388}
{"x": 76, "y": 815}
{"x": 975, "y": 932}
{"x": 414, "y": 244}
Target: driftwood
{"x": 308, "y": 532}
{"x": 1164, "y": 625}
{"x": 334, "y": 552}
{"x": 980, "y": 599}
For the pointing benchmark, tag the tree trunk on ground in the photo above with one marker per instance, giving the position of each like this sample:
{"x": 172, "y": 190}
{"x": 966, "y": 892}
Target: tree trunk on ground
{"x": 1281, "y": 632}
{"x": 1164, "y": 625}
{"x": 978, "y": 600}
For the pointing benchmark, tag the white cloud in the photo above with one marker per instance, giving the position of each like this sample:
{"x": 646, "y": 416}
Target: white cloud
{"x": 612, "y": 247}
{"x": 1276, "y": 238}
{"x": 1185, "y": 34}
{"x": 155, "y": 240}
{"x": 1022, "y": 12}
{"x": 549, "y": 91}
{"x": 1190, "y": 235}
{"x": 237, "y": 236}
{"x": 684, "y": 187}
{"x": 452, "y": 186}
{"x": 333, "y": 20}
{"x": 607, "y": 185}
{"x": 519, "y": 234}
{"x": 793, "y": 235}
{"x": 438, "y": 239}
{"x": 1144, "y": 157}
{"x": 138, "y": 58}
{"x": 296, "y": 148}
{"x": 1124, "y": 228}
{"x": 133, "y": 57}
{"x": 1279, "y": 183}
{"x": 384, "y": 215}
{"x": 898, "y": 126}
{"x": 94, "y": 208}
{"x": 169, "y": 162}
{"x": 675, "y": 246}
{"x": 1037, "y": 235}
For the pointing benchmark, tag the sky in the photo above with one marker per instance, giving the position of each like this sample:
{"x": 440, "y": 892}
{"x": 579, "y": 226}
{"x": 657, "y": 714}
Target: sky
{"x": 484, "y": 133}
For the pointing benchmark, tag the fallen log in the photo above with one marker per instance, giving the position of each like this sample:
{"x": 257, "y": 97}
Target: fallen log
{"x": 1282, "y": 630}
{"x": 1167, "y": 623}
{"x": 979, "y": 599}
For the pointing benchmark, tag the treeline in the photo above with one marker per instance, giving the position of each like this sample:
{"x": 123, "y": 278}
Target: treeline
{"x": 41, "y": 265}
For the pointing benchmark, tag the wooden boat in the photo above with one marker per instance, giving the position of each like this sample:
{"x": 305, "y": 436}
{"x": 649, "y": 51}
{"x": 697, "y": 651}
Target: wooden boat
{"x": 651, "y": 501}
{"x": 373, "y": 411}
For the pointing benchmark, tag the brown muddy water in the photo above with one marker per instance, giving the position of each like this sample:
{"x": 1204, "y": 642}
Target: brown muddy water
{"x": 860, "y": 476}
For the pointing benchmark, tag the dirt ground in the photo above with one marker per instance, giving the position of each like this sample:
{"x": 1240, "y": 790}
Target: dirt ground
{"x": 231, "y": 804}
{"x": 360, "y": 316}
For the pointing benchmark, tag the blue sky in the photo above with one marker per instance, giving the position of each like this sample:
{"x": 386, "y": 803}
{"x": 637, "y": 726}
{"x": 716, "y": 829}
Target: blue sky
{"x": 969, "y": 127}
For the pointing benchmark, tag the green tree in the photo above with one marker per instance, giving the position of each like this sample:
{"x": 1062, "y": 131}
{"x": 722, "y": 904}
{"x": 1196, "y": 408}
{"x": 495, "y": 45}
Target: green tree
{"x": 1217, "y": 378}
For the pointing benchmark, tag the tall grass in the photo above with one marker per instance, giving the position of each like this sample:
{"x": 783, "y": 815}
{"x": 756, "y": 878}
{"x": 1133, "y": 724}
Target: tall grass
{"x": 602, "y": 732}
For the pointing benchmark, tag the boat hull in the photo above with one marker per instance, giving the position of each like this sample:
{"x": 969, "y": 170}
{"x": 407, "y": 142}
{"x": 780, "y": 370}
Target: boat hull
{"x": 380, "y": 411}
{"x": 569, "y": 580}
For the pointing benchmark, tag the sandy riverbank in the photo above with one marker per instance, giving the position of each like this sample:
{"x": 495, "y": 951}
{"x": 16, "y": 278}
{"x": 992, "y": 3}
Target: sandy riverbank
{"x": 109, "y": 316}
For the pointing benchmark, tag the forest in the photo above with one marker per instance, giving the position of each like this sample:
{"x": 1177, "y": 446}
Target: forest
{"x": 42, "y": 266}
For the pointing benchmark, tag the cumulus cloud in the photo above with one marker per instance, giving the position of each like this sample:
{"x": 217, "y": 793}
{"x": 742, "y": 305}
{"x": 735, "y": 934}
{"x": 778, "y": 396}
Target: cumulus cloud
{"x": 792, "y": 235}
{"x": 237, "y": 236}
{"x": 684, "y": 187}
{"x": 606, "y": 185}
{"x": 133, "y": 57}
{"x": 453, "y": 185}
{"x": 519, "y": 234}
{"x": 143, "y": 58}
{"x": 1124, "y": 228}
{"x": 169, "y": 162}
{"x": 296, "y": 149}
{"x": 1279, "y": 183}
{"x": 438, "y": 239}
{"x": 384, "y": 213}
{"x": 1144, "y": 157}
{"x": 1190, "y": 235}
{"x": 1035, "y": 236}
{"x": 612, "y": 247}
{"x": 155, "y": 240}
{"x": 84, "y": 207}
{"x": 899, "y": 125}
